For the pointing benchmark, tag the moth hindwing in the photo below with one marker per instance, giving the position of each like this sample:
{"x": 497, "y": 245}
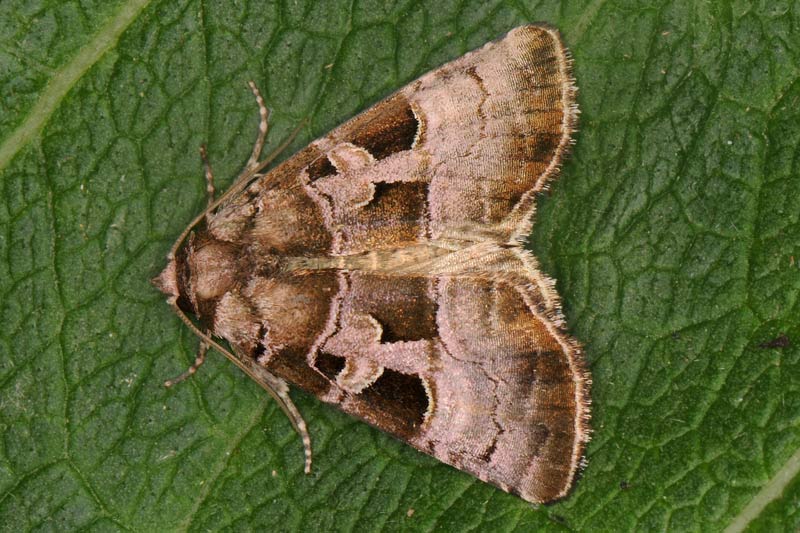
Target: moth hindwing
{"x": 381, "y": 269}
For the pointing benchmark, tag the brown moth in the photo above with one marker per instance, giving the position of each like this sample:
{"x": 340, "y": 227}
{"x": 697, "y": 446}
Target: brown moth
{"x": 381, "y": 269}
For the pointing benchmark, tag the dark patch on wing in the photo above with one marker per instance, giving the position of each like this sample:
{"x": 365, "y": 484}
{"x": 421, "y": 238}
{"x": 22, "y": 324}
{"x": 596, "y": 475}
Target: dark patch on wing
{"x": 399, "y": 201}
{"x": 547, "y": 374}
{"x": 541, "y": 434}
{"x": 320, "y": 168}
{"x": 401, "y": 305}
{"x": 400, "y": 400}
{"x": 330, "y": 365}
{"x": 410, "y": 318}
{"x": 542, "y": 146}
{"x": 261, "y": 347}
{"x": 392, "y": 130}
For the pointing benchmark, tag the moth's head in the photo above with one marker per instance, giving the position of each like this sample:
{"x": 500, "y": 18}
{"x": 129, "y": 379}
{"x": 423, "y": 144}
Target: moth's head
{"x": 199, "y": 274}
{"x": 167, "y": 281}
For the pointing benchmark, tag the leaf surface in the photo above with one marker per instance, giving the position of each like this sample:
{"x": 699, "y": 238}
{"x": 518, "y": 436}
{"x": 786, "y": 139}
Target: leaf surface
{"x": 673, "y": 234}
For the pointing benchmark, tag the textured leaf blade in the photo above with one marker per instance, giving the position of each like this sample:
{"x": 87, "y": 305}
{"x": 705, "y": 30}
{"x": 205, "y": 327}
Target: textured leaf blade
{"x": 673, "y": 233}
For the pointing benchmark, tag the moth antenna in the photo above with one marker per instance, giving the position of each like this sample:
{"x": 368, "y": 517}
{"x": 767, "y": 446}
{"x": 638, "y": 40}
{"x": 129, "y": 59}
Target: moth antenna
{"x": 275, "y": 153}
{"x": 189, "y": 372}
{"x": 209, "y": 174}
{"x": 299, "y": 425}
{"x": 263, "y": 126}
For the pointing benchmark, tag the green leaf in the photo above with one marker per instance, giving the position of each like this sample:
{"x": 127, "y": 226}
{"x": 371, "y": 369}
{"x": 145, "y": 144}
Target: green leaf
{"x": 673, "y": 233}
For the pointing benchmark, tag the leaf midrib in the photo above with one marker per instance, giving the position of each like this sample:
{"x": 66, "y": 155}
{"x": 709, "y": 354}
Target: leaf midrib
{"x": 66, "y": 77}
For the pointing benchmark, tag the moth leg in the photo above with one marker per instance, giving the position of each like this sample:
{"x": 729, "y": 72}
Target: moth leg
{"x": 263, "y": 127}
{"x": 198, "y": 360}
{"x": 209, "y": 174}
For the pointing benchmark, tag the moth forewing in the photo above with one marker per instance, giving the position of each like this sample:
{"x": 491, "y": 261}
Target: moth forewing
{"x": 380, "y": 269}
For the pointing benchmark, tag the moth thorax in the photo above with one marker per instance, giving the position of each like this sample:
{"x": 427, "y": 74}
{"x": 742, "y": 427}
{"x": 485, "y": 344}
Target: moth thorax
{"x": 212, "y": 268}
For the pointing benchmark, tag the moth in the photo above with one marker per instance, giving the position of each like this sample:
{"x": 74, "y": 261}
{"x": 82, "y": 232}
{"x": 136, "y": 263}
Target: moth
{"x": 382, "y": 269}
